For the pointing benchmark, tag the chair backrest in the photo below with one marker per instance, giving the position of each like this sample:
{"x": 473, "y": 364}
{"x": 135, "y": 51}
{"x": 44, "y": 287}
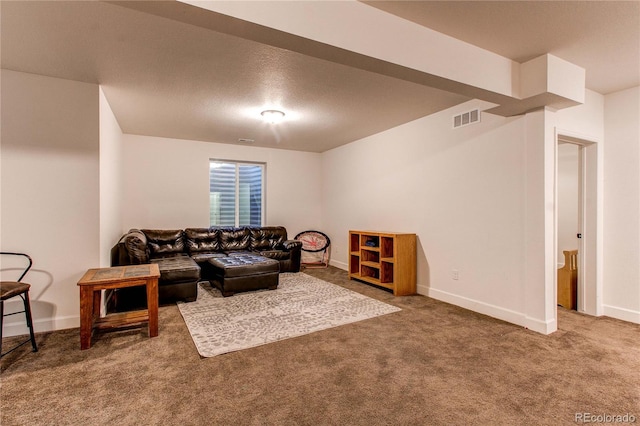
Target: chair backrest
{"x": 313, "y": 241}
{"x": 9, "y": 253}
{"x": 571, "y": 259}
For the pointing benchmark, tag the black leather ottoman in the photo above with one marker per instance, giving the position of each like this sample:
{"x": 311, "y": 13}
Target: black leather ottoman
{"x": 179, "y": 278}
{"x": 247, "y": 272}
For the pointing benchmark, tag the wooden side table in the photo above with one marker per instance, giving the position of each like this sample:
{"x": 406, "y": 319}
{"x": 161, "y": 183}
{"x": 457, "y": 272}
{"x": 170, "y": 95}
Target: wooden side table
{"x": 99, "y": 279}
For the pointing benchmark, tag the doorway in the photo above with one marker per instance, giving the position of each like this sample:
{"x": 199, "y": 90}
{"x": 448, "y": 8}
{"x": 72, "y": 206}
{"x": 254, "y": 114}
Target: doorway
{"x": 587, "y": 216}
{"x": 569, "y": 221}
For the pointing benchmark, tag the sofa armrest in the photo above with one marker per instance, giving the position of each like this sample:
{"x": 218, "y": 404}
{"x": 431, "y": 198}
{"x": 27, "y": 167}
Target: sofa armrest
{"x": 292, "y": 245}
{"x": 131, "y": 249}
{"x": 136, "y": 243}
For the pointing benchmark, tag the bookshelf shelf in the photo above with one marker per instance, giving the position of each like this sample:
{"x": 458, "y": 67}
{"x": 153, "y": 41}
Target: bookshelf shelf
{"x": 384, "y": 259}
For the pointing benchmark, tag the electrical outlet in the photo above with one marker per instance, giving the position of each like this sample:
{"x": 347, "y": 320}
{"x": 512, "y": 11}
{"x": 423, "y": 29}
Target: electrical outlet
{"x": 455, "y": 274}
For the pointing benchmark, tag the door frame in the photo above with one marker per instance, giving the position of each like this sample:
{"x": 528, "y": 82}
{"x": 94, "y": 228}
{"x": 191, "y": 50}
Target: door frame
{"x": 589, "y": 221}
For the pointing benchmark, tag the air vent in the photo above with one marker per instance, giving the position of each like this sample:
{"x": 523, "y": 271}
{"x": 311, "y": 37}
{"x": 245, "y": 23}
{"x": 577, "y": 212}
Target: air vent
{"x": 466, "y": 118}
{"x": 244, "y": 140}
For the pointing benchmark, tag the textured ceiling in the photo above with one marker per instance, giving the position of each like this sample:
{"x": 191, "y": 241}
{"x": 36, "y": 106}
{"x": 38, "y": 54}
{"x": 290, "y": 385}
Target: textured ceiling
{"x": 190, "y": 79}
{"x": 602, "y": 37}
{"x": 171, "y": 79}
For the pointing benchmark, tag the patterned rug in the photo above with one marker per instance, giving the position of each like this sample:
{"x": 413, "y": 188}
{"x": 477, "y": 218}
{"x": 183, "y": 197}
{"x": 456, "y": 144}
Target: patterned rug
{"x": 301, "y": 305}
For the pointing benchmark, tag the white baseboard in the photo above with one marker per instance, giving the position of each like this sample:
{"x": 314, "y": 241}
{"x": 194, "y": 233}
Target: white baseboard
{"x": 543, "y": 327}
{"x": 41, "y": 325}
{"x": 338, "y": 264}
{"x": 498, "y": 312}
{"x": 621, "y": 313}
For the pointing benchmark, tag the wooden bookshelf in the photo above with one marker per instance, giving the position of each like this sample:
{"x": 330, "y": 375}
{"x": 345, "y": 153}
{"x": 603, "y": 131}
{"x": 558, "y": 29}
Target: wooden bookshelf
{"x": 384, "y": 259}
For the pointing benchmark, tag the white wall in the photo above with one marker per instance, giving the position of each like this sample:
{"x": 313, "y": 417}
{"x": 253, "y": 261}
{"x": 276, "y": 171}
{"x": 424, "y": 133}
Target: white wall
{"x": 166, "y": 183}
{"x": 567, "y": 199}
{"x": 587, "y": 122}
{"x": 480, "y": 199}
{"x": 72, "y": 183}
{"x": 50, "y": 191}
{"x": 463, "y": 192}
{"x": 466, "y": 193}
{"x": 586, "y": 119}
{"x": 111, "y": 184}
{"x": 622, "y": 205}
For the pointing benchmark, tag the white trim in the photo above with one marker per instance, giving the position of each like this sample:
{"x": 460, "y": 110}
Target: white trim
{"x": 41, "y": 325}
{"x": 338, "y": 264}
{"x": 263, "y": 183}
{"x": 621, "y": 313}
{"x": 236, "y": 199}
{"x": 591, "y": 291}
{"x": 498, "y": 312}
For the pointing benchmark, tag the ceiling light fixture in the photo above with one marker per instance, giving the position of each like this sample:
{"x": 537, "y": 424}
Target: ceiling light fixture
{"x": 272, "y": 116}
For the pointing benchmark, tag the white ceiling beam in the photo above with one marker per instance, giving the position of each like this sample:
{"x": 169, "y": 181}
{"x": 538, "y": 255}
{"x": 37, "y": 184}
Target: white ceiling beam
{"x": 360, "y": 36}
{"x": 368, "y": 31}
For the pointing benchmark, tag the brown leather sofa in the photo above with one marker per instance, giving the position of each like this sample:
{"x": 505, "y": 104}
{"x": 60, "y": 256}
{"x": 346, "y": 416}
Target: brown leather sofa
{"x": 183, "y": 255}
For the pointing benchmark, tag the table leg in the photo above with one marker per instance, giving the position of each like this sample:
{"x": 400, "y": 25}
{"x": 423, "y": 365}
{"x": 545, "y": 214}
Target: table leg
{"x": 152, "y": 306}
{"x": 97, "y": 298}
{"x": 86, "y": 316}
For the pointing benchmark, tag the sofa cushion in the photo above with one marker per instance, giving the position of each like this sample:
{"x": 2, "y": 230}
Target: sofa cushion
{"x": 203, "y": 257}
{"x": 233, "y": 238}
{"x": 136, "y": 244}
{"x": 177, "y": 269}
{"x": 267, "y": 237}
{"x": 238, "y": 253}
{"x": 202, "y": 240}
{"x": 164, "y": 242}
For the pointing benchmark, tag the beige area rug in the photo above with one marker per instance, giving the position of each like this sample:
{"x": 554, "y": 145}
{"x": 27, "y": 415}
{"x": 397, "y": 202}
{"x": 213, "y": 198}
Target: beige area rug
{"x": 301, "y": 305}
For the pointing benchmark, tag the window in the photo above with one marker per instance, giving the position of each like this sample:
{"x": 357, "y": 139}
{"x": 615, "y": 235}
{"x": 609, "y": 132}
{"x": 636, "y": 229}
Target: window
{"x": 236, "y": 193}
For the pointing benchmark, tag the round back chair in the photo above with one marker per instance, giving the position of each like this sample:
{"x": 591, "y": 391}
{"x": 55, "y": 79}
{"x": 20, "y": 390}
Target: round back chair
{"x": 315, "y": 249}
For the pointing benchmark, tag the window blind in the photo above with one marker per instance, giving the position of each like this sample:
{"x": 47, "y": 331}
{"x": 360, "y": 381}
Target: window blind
{"x": 236, "y": 193}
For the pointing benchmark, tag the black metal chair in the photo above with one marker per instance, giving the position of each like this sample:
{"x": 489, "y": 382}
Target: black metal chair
{"x": 9, "y": 289}
{"x": 317, "y": 244}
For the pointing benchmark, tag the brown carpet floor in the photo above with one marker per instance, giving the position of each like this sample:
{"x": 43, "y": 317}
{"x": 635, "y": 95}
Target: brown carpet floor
{"x": 430, "y": 364}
